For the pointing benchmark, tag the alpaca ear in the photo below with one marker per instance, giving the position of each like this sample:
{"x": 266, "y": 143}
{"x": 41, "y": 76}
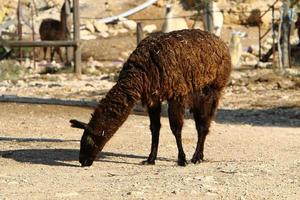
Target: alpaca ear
{"x": 77, "y": 124}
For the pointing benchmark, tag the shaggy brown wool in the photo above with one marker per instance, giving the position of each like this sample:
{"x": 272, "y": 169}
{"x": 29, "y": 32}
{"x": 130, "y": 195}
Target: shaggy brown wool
{"x": 187, "y": 68}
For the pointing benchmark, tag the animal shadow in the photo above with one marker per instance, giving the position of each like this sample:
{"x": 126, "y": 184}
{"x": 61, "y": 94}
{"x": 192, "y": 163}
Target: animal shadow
{"x": 63, "y": 157}
{"x": 52, "y": 157}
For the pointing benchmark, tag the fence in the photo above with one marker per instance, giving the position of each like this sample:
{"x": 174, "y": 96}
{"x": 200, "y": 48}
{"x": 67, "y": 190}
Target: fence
{"x": 76, "y": 39}
{"x": 75, "y": 43}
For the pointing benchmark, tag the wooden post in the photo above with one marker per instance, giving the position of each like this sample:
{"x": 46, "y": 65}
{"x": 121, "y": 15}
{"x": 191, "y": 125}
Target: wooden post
{"x": 273, "y": 35}
{"x": 33, "y": 32}
{"x": 208, "y": 16}
{"x": 77, "y": 50}
{"x": 68, "y": 33}
{"x": 139, "y": 32}
{"x": 259, "y": 41}
{"x": 285, "y": 35}
{"x": 19, "y": 14}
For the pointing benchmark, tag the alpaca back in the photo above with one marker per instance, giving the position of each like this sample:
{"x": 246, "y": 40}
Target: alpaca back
{"x": 180, "y": 63}
{"x": 51, "y": 29}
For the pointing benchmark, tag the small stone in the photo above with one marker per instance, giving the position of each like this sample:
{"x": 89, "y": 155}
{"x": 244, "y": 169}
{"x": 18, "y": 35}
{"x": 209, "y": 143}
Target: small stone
{"x": 129, "y": 24}
{"x": 113, "y": 32}
{"x": 104, "y": 34}
{"x": 90, "y": 27}
{"x": 125, "y": 54}
{"x": 13, "y": 183}
{"x": 122, "y": 30}
{"x": 150, "y": 28}
{"x": 174, "y": 192}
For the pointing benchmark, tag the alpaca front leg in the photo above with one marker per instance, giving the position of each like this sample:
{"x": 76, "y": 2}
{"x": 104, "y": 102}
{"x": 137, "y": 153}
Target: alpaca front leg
{"x": 154, "y": 115}
{"x": 203, "y": 114}
{"x": 176, "y": 117}
{"x": 52, "y": 52}
{"x": 45, "y": 53}
{"x": 59, "y": 53}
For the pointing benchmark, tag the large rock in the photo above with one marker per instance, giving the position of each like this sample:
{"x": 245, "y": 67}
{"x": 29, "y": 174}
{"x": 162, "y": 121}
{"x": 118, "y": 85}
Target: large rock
{"x": 129, "y": 24}
{"x": 100, "y": 27}
{"x": 90, "y": 27}
{"x": 248, "y": 12}
{"x": 150, "y": 28}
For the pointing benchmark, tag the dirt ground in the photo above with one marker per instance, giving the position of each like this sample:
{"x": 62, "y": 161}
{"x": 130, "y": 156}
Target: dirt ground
{"x": 252, "y": 152}
{"x": 248, "y": 156}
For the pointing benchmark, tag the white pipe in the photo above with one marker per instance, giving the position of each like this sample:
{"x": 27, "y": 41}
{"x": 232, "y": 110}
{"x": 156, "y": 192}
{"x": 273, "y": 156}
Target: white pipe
{"x": 127, "y": 13}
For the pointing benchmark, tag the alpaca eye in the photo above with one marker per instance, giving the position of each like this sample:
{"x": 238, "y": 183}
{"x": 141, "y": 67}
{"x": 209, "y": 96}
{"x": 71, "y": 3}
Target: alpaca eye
{"x": 90, "y": 141}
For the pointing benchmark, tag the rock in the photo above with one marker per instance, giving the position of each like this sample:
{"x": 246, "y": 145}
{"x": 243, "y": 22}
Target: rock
{"x": 175, "y": 192}
{"x": 89, "y": 70}
{"x": 285, "y": 84}
{"x": 27, "y": 63}
{"x": 264, "y": 64}
{"x": 90, "y": 27}
{"x": 235, "y": 75}
{"x": 122, "y": 31}
{"x": 249, "y": 59}
{"x": 52, "y": 85}
{"x": 150, "y": 28}
{"x": 12, "y": 28}
{"x": 86, "y": 35}
{"x": 129, "y": 24}
{"x": 100, "y": 27}
{"x": 125, "y": 54}
{"x": 94, "y": 63}
{"x": 253, "y": 49}
{"x": 160, "y": 3}
{"x": 104, "y": 34}
{"x": 135, "y": 193}
{"x": 231, "y": 17}
{"x": 113, "y": 32}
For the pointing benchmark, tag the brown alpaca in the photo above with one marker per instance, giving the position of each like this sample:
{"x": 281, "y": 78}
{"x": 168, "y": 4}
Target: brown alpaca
{"x": 187, "y": 68}
{"x": 53, "y": 30}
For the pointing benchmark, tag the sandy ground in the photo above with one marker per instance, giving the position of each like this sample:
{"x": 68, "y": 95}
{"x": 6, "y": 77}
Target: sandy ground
{"x": 245, "y": 159}
{"x": 252, "y": 152}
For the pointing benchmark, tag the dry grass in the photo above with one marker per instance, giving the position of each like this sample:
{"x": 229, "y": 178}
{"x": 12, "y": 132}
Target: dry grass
{"x": 10, "y": 70}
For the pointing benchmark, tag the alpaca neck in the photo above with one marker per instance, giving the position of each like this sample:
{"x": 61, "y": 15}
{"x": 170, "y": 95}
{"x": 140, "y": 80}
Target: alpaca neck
{"x": 64, "y": 20}
{"x": 169, "y": 15}
{"x": 168, "y": 20}
{"x": 113, "y": 110}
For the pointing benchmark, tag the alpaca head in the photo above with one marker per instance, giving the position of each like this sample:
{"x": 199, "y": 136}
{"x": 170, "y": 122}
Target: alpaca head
{"x": 67, "y": 8}
{"x": 168, "y": 9}
{"x": 90, "y": 144}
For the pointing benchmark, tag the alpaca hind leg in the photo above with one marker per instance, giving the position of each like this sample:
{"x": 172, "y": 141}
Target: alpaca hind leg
{"x": 203, "y": 111}
{"x": 52, "y": 50}
{"x": 176, "y": 117}
{"x": 59, "y": 53}
{"x": 45, "y": 53}
{"x": 154, "y": 115}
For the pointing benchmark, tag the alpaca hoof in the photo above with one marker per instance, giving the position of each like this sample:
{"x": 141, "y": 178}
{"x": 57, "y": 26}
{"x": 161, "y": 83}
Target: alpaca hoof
{"x": 147, "y": 162}
{"x": 196, "y": 160}
{"x": 182, "y": 163}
